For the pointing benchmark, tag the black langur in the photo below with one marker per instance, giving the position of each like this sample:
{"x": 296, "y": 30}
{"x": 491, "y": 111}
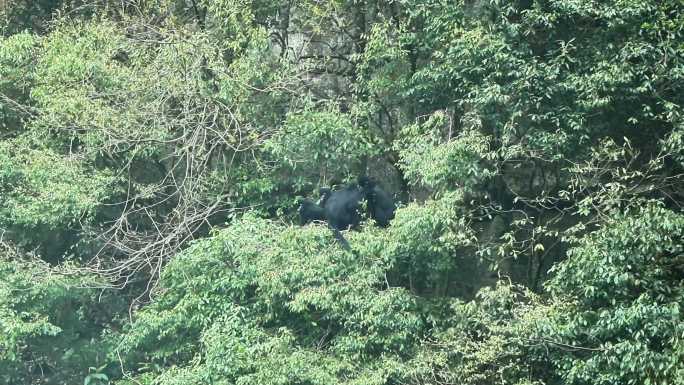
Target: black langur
{"x": 380, "y": 204}
{"x": 324, "y": 193}
{"x": 342, "y": 208}
{"x": 310, "y": 211}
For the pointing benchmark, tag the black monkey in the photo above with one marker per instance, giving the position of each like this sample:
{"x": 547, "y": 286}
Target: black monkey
{"x": 342, "y": 208}
{"x": 309, "y": 211}
{"x": 324, "y": 193}
{"x": 380, "y": 204}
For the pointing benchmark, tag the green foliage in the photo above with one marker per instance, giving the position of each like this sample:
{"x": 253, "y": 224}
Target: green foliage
{"x": 16, "y": 64}
{"x": 612, "y": 316}
{"x": 492, "y": 340}
{"x": 319, "y": 143}
{"x": 47, "y": 198}
{"x": 50, "y": 324}
{"x": 17, "y": 16}
{"x": 429, "y": 160}
{"x": 625, "y": 282}
{"x": 249, "y": 294}
{"x": 235, "y": 22}
{"x": 40, "y": 188}
{"x": 428, "y": 242}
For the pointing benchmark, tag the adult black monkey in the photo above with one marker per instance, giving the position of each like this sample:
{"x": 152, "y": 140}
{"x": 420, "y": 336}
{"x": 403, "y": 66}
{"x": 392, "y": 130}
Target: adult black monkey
{"x": 380, "y": 204}
{"x": 342, "y": 208}
{"x": 310, "y": 211}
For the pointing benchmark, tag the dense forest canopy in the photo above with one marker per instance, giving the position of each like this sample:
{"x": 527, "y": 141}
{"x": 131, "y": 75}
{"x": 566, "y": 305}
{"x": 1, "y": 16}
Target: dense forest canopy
{"x": 154, "y": 155}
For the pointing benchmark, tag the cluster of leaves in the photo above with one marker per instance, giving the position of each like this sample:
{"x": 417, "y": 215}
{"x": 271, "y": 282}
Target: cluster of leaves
{"x": 262, "y": 303}
{"x": 245, "y": 306}
{"x": 321, "y": 140}
{"x": 45, "y": 193}
{"x": 52, "y": 327}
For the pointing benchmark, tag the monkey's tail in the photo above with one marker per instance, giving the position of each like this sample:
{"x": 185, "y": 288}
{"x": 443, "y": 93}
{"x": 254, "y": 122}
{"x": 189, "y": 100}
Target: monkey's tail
{"x": 340, "y": 238}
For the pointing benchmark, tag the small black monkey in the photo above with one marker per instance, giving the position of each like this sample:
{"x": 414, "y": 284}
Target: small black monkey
{"x": 324, "y": 193}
